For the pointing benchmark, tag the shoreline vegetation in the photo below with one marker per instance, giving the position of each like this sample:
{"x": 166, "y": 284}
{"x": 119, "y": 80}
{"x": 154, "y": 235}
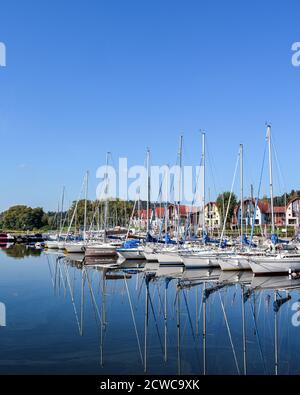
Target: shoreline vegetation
{"x": 25, "y": 219}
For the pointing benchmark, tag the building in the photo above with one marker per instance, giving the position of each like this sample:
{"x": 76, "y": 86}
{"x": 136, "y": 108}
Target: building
{"x": 261, "y": 216}
{"x": 157, "y": 216}
{"x": 283, "y": 216}
{"x": 293, "y": 213}
{"x": 212, "y": 216}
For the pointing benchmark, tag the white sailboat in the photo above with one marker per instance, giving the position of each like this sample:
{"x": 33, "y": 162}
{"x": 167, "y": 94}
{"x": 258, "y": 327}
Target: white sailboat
{"x": 276, "y": 262}
{"x": 238, "y": 261}
{"x": 279, "y": 263}
{"x": 79, "y": 246}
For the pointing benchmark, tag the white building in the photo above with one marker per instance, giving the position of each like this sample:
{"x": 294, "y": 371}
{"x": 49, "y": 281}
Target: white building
{"x": 293, "y": 212}
{"x": 212, "y": 216}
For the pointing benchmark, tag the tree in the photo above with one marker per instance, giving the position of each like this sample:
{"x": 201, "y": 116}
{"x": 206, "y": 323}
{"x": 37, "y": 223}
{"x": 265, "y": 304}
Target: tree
{"x": 118, "y": 213}
{"x": 24, "y": 218}
{"x": 222, "y": 204}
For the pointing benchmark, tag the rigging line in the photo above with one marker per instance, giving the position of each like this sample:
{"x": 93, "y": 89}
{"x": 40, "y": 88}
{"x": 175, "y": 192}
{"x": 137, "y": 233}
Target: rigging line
{"x": 134, "y": 321}
{"x": 229, "y": 200}
{"x": 95, "y": 306}
{"x": 258, "y": 194}
{"x": 75, "y": 208}
{"x": 50, "y": 270}
{"x": 196, "y": 190}
{"x": 131, "y": 219}
{"x": 258, "y": 337}
{"x": 160, "y": 301}
{"x": 189, "y": 316}
{"x": 72, "y": 296}
{"x": 229, "y": 334}
{"x": 277, "y": 160}
{"x": 172, "y": 188}
{"x": 155, "y": 320}
{"x": 96, "y": 207}
{"x": 140, "y": 290}
{"x": 62, "y": 278}
{"x": 211, "y": 167}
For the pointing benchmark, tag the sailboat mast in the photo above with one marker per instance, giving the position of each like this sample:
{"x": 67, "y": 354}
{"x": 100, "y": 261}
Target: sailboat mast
{"x": 106, "y": 198}
{"x": 148, "y": 188}
{"x": 62, "y": 209}
{"x": 271, "y": 175}
{"x": 179, "y": 182}
{"x": 203, "y": 181}
{"x": 85, "y": 205}
{"x": 242, "y": 188}
{"x": 166, "y": 204}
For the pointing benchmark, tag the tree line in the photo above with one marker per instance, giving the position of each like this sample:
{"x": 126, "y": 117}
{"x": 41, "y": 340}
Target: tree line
{"x": 23, "y": 218}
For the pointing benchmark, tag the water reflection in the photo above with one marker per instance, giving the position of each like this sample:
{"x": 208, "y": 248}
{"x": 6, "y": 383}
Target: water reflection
{"x": 201, "y": 321}
{"x": 143, "y": 318}
{"x": 20, "y": 251}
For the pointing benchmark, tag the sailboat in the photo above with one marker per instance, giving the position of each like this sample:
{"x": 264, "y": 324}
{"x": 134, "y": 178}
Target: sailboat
{"x": 54, "y": 240}
{"x": 79, "y": 246}
{"x": 201, "y": 257}
{"x": 281, "y": 262}
{"x": 131, "y": 248}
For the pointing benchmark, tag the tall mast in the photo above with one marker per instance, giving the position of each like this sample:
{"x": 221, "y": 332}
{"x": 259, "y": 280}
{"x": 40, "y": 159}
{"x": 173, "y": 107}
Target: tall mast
{"x": 106, "y": 199}
{"x": 203, "y": 181}
{"x": 179, "y": 182}
{"x": 166, "y": 204}
{"x": 242, "y": 187}
{"x": 271, "y": 175}
{"x": 148, "y": 187}
{"x": 62, "y": 209}
{"x": 85, "y": 205}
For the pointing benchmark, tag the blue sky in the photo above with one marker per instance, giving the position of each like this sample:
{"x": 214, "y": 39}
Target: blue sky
{"x": 85, "y": 77}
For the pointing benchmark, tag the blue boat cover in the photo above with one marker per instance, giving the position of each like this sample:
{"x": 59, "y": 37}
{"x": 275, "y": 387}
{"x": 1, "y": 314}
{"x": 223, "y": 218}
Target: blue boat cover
{"x": 132, "y": 243}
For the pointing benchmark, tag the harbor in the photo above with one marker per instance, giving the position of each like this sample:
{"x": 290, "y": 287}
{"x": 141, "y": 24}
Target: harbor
{"x": 150, "y": 198}
{"x": 172, "y": 234}
{"x": 140, "y": 318}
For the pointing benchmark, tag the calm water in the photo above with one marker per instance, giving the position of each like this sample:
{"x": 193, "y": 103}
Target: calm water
{"x": 61, "y": 318}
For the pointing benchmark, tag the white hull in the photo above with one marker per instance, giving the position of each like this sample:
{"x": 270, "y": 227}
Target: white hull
{"x": 61, "y": 245}
{"x": 274, "y": 282}
{"x": 233, "y": 277}
{"x": 274, "y": 264}
{"x": 74, "y": 248}
{"x": 201, "y": 274}
{"x": 50, "y": 244}
{"x": 151, "y": 256}
{"x": 234, "y": 263}
{"x": 131, "y": 253}
{"x": 198, "y": 261}
{"x": 169, "y": 258}
{"x": 99, "y": 250}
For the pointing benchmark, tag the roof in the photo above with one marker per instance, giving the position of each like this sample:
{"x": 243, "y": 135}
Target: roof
{"x": 279, "y": 210}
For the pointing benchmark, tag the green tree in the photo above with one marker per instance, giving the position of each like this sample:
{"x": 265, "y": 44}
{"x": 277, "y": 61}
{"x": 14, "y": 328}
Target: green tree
{"x": 23, "y": 218}
{"x": 222, "y": 204}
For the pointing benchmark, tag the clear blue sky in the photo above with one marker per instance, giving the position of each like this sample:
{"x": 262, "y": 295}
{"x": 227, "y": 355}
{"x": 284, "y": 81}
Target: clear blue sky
{"x": 84, "y": 77}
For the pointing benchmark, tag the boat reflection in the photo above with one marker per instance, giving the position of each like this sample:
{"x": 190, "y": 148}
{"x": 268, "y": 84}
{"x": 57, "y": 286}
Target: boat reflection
{"x": 203, "y": 321}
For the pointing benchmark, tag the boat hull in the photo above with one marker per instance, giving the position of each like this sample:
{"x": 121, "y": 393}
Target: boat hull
{"x": 169, "y": 258}
{"x": 234, "y": 263}
{"x": 100, "y": 251}
{"x": 199, "y": 262}
{"x": 74, "y": 248}
{"x": 274, "y": 265}
{"x": 50, "y": 244}
{"x": 131, "y": 253}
